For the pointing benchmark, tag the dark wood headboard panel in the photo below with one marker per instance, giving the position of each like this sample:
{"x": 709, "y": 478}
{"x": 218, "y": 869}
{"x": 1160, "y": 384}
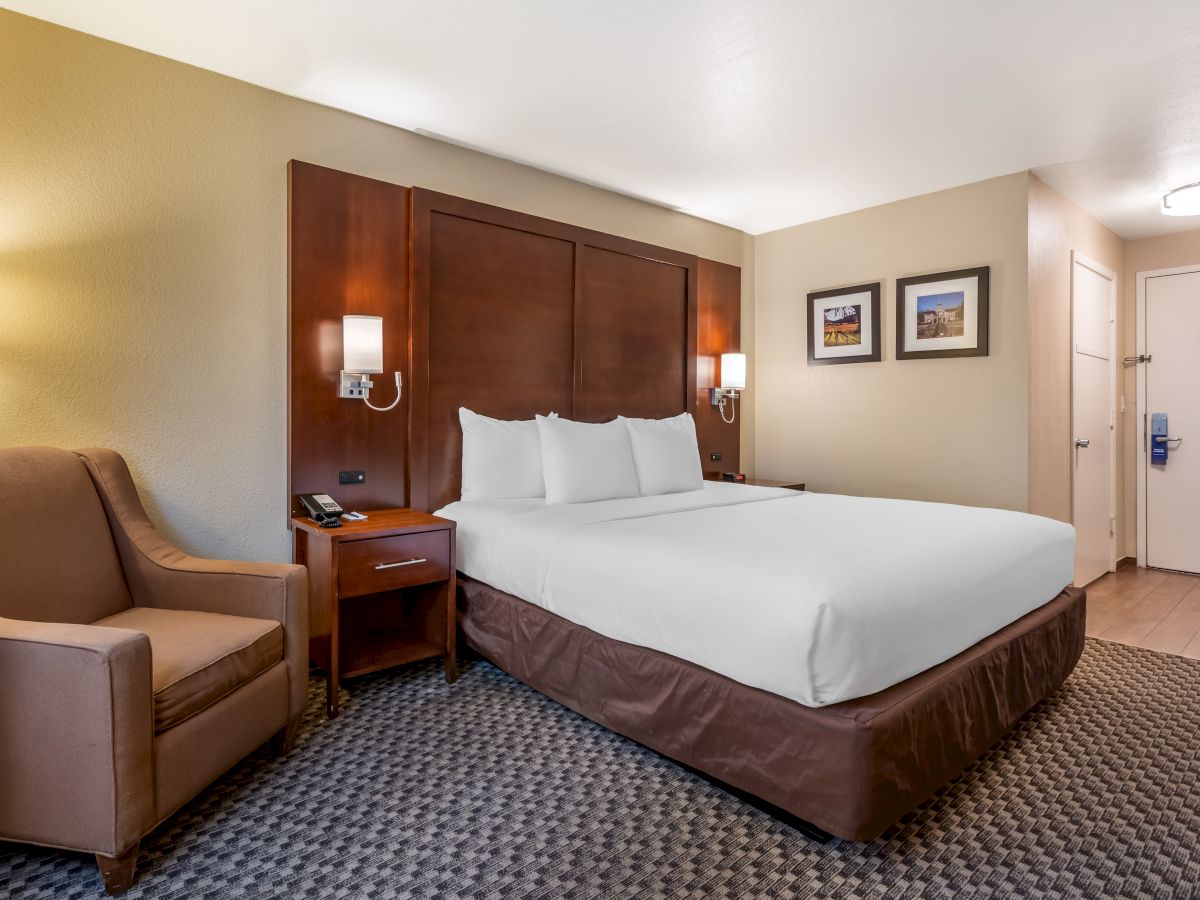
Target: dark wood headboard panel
{"x": 506, "y": 313}
{"x": 718, "y": 330}
{"x": 514, "y": 315}
{"x": 347, "y": 255}
{"x": 635, "y": 333}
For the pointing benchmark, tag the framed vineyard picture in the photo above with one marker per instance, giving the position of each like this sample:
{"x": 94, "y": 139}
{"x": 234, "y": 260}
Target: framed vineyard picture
{"x": 844, "y": 325}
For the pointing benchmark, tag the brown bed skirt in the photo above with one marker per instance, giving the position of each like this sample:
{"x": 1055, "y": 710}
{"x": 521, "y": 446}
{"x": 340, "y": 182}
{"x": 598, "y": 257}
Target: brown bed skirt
{"x": 852, "y": 769}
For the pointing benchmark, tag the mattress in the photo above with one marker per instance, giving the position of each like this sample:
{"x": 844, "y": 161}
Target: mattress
{"x": 818, "y": 598}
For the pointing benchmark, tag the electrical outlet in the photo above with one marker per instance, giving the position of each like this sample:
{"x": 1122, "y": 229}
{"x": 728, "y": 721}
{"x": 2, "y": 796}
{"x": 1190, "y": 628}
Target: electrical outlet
{"x": 714, "y": 457}
{"x": 355, "y": 477}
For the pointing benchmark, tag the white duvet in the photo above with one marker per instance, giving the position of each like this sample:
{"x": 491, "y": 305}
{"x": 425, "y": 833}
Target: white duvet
{"x": 816, "y": 597}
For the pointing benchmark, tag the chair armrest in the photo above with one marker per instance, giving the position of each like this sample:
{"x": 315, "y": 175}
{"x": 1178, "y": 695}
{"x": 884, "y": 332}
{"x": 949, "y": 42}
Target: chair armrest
{"x": 77, "y": 720}
{"x": 161, "y": 575}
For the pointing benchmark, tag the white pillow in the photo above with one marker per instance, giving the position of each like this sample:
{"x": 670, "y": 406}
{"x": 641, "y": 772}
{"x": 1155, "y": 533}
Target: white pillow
{"x": 585, "y": 462}
{"x": 501, "y": 460}
{"x": 666, "y": 454}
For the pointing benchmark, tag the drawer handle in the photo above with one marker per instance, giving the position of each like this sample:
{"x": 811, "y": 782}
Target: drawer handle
{"x": 396, "y": 565}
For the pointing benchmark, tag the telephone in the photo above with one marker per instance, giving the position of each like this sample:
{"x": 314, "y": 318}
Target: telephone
{"x": 323, "y": 509}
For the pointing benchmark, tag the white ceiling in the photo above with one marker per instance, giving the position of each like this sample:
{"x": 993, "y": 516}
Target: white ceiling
{"x": 756, "y": 114}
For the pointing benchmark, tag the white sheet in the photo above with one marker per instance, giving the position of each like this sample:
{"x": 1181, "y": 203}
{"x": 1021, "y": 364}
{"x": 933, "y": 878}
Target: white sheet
{"x": 816, "y": 597}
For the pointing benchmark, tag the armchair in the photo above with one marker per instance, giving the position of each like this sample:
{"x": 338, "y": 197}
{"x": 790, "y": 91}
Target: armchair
{"x": 131, "y": 674}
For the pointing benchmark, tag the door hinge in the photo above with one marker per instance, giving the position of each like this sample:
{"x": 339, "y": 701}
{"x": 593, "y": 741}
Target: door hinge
{"x": 1112, "y": 419}
{"x": 1112, "y": 525}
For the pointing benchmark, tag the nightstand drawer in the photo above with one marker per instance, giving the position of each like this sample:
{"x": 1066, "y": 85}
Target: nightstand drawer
{"x": 383, "y": 564}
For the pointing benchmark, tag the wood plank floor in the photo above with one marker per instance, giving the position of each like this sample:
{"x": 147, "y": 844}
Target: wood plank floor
{"x": 1146, "y": 608}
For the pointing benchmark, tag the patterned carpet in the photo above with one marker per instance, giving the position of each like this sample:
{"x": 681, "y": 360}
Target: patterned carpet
{"x": 485, "y": 789}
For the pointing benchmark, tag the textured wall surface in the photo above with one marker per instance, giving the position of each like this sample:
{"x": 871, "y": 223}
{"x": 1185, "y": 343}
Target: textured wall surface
{"x": 1056, "y": 227}
{"x": 940, "y": 429}
{"x": 143, "y": 255}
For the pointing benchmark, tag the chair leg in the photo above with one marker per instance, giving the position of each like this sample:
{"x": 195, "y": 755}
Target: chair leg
{"x": 284, "y": 739}
{"x": 118, "y": 871}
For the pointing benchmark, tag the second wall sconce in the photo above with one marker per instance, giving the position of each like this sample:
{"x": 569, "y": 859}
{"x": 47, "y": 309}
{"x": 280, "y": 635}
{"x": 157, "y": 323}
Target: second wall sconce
{"x": 733, "y": 382}
{"x": 362, "y": 355}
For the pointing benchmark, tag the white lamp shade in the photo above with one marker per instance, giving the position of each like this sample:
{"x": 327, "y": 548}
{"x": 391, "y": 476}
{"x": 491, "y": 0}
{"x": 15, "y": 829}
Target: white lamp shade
{"x": 362, "y": 344}
{"x": 1184, "y": 201}
{"x": 733, "y": 371}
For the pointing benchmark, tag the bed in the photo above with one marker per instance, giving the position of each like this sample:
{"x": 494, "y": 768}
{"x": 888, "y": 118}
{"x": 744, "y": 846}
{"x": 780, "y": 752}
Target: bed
{"x": 511, "y": 316}
{"x": 841, "y": 658}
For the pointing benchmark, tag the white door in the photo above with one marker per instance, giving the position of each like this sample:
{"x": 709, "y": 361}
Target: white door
{"x": 1093, "y": 323}
{"x": 1172, "y": 386}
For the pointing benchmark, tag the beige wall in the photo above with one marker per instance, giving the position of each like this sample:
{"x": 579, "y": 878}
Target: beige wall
{"x": 143, "y": 246}
{"x": 950, "y": 429}
{"x": 1164, "y": 252}
{"x": 1056, "y": 228}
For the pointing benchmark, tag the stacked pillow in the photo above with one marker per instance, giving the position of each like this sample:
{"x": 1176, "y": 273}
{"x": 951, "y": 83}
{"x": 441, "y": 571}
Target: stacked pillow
{"x": 666, "y": 454}
{"x": 585, "y": 462}
{"x": 501, "y": 460}
{"x": 578, "y": 462}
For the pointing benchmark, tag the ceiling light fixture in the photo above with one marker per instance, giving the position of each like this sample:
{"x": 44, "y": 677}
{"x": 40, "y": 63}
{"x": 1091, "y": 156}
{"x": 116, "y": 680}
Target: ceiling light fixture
{"x": 1183, "y": 201}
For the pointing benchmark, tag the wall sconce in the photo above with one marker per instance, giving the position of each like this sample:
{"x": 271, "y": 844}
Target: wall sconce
{"x": 362, "y": 355}
{"x": 733, "y": 381}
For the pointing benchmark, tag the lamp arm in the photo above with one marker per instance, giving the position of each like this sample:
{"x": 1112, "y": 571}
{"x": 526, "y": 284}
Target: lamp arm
{"x": 733, "y": 410}
{"x": 393, "y": 404}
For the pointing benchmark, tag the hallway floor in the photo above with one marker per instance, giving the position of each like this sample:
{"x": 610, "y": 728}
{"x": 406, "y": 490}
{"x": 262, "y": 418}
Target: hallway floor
{"x": 1146, "y": 608}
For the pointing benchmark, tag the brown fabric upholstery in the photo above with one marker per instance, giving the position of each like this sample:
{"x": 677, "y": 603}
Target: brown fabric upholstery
{"x": 161, "y": 575}
{"x": 76, "y": 735}
{"x": 60, "y": 565}
{"x": 189, "y": 756}
{"x": 105, "y": 731}
{"x": 199, "y": 657}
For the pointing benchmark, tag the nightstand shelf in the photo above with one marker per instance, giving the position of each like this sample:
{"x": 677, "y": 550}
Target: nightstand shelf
{"x": 775, "y": 483}
{"x": 381, "y": 594}
{"x": 379, "y": 651}
{"x": 765, "y": 482}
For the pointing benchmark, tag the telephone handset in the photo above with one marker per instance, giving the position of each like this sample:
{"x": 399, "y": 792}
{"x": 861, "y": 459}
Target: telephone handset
{"x": 323, "y": 509}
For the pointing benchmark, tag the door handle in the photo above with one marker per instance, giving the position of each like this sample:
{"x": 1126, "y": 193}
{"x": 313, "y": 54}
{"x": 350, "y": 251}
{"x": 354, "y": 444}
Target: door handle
{"x": 1083, "y": 442}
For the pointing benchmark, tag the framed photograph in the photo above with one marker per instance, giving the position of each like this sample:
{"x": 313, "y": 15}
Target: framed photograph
{"x": 844, "y": 325}
{"x": 942, "y": 315}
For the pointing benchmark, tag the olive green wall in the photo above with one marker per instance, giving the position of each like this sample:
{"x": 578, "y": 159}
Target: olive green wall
{"x": 143, "y": 263}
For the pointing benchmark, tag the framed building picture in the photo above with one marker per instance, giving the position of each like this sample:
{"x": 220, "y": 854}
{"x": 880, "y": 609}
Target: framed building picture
{"x": 942, "y": 315}
{"x": 844, "y": 325}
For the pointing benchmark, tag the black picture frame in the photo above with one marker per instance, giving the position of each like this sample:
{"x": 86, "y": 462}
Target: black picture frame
{"x": 982, "y": 274}
{"x": 875, "y": 289}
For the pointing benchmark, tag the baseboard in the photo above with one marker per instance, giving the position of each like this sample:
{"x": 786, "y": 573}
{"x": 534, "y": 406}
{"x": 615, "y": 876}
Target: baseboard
{"x": 1125, "y": 562}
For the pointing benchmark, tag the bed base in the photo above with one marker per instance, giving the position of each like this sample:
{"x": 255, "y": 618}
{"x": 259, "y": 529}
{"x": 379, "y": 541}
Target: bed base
{"x": 849, "y": 770}
{"x": 778, "y": 813}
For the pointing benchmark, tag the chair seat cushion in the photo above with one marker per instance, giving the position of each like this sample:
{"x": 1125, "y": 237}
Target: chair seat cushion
{"x": 199, "y": 657}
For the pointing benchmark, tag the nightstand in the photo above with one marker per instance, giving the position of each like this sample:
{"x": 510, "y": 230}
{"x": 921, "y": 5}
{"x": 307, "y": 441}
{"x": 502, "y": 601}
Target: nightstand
{"x": 764, "y": 482}
{"x": 772, "y": 482}
{"x": 381, "y": 593}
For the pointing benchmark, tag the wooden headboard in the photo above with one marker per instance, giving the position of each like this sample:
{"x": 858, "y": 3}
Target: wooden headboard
{"x": 513, "y": 315}
{"x": 502, "y": 312}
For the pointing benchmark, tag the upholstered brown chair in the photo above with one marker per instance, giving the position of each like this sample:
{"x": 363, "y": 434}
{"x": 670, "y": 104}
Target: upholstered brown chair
{"x": 131, "y": 674}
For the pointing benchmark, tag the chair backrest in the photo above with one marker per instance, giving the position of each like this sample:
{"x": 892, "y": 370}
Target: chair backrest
{"x": 58, "y": 561}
